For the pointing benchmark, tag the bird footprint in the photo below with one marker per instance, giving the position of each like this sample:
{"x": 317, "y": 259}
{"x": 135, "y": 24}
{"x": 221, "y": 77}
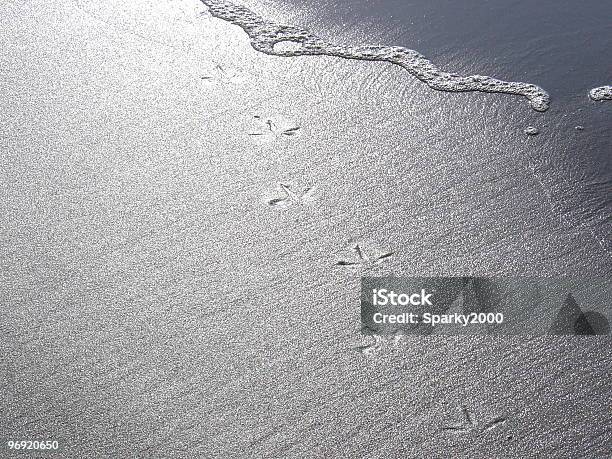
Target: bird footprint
{"x": 363, "y": 259}
{"x": 469, "y": 424}
{"x": 291, "y": 196}
{"x": 270, "y": 129}
{"x": 220, "y": 74}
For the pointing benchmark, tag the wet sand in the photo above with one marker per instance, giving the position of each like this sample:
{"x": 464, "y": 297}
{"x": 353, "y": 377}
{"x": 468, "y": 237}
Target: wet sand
{"x": 175, "y": 205}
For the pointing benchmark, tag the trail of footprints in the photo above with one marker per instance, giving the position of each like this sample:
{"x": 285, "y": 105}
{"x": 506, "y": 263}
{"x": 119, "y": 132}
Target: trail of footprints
{"x": 271, "y": 129}
{"x": 358, "y": 257}
{"x": 288, "y": 194}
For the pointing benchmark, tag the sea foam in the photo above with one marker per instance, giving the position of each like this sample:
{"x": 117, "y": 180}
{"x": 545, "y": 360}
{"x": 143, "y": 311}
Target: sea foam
{"x": 601, "y": 93}
{"x": 289, "y": 41}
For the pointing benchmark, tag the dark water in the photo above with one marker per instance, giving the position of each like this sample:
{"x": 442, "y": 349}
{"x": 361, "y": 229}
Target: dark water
{"x": 561, "y": 46}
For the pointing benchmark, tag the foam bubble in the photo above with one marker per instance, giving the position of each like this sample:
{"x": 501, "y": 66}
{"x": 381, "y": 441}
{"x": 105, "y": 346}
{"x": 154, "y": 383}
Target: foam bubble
{"x": 601, "y": 93}
{"x": 282, "y": 40}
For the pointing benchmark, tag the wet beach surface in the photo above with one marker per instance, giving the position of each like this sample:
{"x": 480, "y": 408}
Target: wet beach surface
{"x": 176, "y": 204}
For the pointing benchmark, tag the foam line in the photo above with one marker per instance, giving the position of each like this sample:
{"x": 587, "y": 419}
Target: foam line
{"x": 289, "y": 41}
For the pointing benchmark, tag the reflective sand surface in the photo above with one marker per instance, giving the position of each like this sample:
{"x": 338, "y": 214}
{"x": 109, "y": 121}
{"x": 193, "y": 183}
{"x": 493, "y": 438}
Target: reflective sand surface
{"x": 156, "y": 304}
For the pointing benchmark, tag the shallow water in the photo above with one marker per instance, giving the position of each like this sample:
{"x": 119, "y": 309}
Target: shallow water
{"x": 266, "y": 36}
